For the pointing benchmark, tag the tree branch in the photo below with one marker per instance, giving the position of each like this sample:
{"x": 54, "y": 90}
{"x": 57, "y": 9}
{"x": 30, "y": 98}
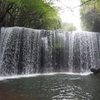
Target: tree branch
{"x": 83, "y": 3}
{"x": 10, "y": 14}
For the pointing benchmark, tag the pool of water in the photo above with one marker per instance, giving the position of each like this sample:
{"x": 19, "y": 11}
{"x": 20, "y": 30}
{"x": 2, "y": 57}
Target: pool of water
{"x": 51, "y": 87}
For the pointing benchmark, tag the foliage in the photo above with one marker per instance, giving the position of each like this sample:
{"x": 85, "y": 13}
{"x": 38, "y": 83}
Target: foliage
{"x": 37, "y": 14}
{"x": 90, "y": 15}
{"x": 67, "y": 27}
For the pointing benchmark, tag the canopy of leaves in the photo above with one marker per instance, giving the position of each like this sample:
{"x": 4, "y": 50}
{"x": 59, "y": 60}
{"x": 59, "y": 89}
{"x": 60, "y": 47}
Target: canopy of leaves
{"x": 90, "y": 15}
{"x": 37, "y": 14}
{"x": 67, "y": 27}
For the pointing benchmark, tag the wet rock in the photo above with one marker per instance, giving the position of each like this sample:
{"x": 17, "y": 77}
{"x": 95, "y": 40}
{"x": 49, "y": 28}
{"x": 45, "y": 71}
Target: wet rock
{"x": 95, "y": 71}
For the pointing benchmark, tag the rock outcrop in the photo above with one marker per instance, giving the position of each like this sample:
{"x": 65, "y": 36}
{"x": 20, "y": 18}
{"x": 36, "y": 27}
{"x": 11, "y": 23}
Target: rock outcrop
{"x": 95, "y": 71}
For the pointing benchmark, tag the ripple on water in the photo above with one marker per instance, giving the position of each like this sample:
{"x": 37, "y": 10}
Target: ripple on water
{"x": 56, "y": 87}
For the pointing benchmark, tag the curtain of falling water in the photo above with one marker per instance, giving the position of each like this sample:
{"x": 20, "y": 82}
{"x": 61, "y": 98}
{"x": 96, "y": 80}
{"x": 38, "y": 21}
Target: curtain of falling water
{"x": 27, "y": 51}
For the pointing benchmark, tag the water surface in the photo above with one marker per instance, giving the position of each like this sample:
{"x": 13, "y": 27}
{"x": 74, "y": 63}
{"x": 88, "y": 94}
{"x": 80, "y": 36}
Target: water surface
{"x": 51, "y": 87}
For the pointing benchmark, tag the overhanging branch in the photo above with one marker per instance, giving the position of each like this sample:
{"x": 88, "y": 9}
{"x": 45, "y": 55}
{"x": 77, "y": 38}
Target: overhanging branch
{"x": 84, "y": 3}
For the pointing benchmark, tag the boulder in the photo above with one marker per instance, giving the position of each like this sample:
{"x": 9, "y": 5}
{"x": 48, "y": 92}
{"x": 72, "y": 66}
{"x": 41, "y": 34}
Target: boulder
{"x": 95, "y": 71}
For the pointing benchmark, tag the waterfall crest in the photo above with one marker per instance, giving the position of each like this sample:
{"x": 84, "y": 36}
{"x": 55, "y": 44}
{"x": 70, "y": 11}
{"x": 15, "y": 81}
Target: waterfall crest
{"x": 27, "y": 51}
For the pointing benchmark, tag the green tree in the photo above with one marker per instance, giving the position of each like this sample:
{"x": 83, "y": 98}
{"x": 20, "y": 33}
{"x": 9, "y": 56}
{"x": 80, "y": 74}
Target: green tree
{"x": 90, "y": 15}
{"x": 37, "y": 14}
{"x": 67, "y": 27}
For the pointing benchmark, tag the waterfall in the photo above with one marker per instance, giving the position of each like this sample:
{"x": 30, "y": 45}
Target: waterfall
{"x": 28, "y": 51}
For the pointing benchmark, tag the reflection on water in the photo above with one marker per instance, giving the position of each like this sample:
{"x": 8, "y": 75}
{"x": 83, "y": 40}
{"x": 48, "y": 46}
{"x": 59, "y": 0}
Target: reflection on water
{"x": 55, "y": 87}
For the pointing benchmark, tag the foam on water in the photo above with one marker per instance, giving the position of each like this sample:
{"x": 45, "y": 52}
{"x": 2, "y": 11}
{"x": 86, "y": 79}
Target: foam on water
{"x": 43, "y": 74}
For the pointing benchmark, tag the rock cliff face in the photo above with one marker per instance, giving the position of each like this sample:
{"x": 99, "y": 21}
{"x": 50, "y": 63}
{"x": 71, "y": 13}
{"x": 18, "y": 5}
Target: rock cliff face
{"x": 27, "y": 51}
